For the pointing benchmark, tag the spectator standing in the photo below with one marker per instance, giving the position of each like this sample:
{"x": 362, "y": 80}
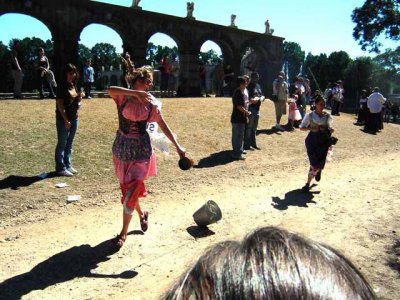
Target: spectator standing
{"x": 294, "y": 115}
{"x": 88, "y": 78}
{"x": 328, "y": 95}
{"x": 337, "y": 98}
{"x": 173, "y": 81}
{"x": 67, "y": 105}
{"x": 218, "y": 79}
{"x": 255, "y": 99}
{"x": 209, "y": 72}
{"x": 375, "y": 105}
{"x": 17, "y": 64}
{"x": 280, "y": 90}
{"x": 202, "y": 76}
{"x": 165, "y": 69}
{"x": 43, "y": 70}
{"x": 239, "y": 118}
{"x": 300, "y": 92}
{"x": 363, "y": 109}
{"x": 228, "y": 81}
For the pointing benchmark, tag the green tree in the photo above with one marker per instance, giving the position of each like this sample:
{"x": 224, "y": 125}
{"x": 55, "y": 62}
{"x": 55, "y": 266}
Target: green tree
{"x": 103, "y": 55}
{"x": 211, "y": 56}
{"x": 294, "y": 57}
{"x": 374, "y": 19}
{"x": 358, "y": 76}
{"x": 316, "y": 68}
{"x": 390, "y": 59}
{"x": 338, "y": 63}
{"x": 151, "y": 53}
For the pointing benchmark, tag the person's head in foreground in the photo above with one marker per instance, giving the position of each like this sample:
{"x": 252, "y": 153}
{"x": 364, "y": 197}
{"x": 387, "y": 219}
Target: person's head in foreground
{"x": 271, "y": 263}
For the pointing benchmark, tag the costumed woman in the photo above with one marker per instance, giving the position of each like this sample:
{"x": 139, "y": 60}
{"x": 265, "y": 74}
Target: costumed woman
{"x": 133, "y": 156}
{"x": 319, "y": 125}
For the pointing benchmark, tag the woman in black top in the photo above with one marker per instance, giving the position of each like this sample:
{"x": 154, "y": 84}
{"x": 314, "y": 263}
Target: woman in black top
{"x": 239, "y": 118}
{"x": 68, "y": 103}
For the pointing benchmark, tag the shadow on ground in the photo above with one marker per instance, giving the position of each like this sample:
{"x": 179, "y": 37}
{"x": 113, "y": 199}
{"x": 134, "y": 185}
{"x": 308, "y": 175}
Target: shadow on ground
{"x": 393, "y": 261}
{"x": 14, "y": 182}
{"x": 294, "y": 198}
{"x": 269, "y": 131}
{"x": 215, "y": 159}
{"x": 78, "y": 261}
{"x": 199, "y": 231}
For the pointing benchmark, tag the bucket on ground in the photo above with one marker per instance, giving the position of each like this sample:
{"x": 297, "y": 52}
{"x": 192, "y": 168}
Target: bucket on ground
{"x": 207, "y": 214}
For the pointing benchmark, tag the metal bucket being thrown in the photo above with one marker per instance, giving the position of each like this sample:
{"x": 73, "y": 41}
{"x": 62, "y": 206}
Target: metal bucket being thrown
{"x": 208, "y": 214}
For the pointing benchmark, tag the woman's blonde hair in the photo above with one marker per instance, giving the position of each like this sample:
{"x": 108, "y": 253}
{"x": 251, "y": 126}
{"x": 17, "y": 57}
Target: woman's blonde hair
{"x": 141, "y": 73}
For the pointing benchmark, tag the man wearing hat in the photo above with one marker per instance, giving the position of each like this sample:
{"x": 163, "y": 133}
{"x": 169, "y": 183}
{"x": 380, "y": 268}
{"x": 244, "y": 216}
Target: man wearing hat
{"x": 280, "y": 91}
{"x": 337, "y": 98}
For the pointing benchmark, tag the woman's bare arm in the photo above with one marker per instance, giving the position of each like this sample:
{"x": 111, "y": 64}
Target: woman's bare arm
{"x": 168, "y": 133}
{"x": 142, "y": 96}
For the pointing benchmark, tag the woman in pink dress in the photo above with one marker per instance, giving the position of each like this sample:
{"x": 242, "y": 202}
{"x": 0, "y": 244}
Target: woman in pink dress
{"x": 133, "y": 156}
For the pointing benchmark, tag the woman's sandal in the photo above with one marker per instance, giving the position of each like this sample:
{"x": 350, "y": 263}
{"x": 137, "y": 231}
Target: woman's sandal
{"x": 144, "y": 224}
{"x": 119, "y": 240}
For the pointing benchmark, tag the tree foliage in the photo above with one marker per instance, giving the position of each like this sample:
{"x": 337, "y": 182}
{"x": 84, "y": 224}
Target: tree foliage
{"x": 210, "y": 56}
{"x": 374, "y": 19}
{"x": 294, "y": 57}
{"x": 316, "y": 68}
{"x": 338, "y": 61}
{"x": 390, "y": 60}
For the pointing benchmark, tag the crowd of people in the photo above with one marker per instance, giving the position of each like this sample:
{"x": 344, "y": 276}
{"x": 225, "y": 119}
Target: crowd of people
{"x": 295, "y": 98}
{"x": 224, "y": 269}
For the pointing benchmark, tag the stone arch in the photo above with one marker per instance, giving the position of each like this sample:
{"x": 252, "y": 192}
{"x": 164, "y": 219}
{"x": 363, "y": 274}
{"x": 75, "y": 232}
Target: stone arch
{"x": 225, "y": 43}
{"x": 9, "y": 26}
{"x": 189, "y": 34}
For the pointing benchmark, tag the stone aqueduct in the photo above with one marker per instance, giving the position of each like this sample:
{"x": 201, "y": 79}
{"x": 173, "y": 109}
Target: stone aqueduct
{"x": 66, "y": 19}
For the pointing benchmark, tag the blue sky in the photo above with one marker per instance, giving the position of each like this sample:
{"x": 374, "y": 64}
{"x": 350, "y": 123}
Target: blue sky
{"x": 318, "y": 26}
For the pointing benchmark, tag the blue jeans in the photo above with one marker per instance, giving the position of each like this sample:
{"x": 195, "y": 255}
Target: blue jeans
{"x": 237, "y": 139}
{"x": 65, "y": 139}
{"x": 251, "y": 131}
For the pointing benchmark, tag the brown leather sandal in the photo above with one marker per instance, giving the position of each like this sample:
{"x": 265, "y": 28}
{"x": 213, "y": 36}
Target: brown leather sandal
{"x": 119, "y": 240}
{"x": 144, "y": 224}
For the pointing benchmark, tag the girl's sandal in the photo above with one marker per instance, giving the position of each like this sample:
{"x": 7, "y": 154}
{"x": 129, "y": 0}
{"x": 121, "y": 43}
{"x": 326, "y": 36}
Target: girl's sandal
{"x": 144, "y": 224}
{"x": 120, "y": 240}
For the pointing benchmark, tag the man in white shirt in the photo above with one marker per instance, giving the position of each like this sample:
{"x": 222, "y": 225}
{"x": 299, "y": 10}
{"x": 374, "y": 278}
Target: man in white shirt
{"x": 375, "y": 104}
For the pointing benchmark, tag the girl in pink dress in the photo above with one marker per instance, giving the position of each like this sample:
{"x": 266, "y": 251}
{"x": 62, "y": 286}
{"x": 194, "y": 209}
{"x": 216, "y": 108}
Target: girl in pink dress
{"x": 294, "y": 113}
{"x": 133, "y": 156}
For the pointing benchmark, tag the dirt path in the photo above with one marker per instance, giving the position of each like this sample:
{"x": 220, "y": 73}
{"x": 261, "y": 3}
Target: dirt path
{"x": 355, "y": 209}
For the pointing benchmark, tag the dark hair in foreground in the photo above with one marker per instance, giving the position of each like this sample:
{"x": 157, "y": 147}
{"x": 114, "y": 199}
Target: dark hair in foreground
{"x": 271, "y": 263}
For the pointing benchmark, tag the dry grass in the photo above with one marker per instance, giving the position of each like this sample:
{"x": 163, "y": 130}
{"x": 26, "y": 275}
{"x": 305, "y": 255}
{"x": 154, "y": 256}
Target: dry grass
{"x": 28, "y": 138}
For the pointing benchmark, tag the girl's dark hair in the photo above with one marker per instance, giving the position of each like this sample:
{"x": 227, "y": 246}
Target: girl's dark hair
{"x": 272, "y": 263}
{"x": 71, "y": 68}
{"x": 240, "y": 80}
{"x": 319, "y": 98}
{"x": 63, "y": 84}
